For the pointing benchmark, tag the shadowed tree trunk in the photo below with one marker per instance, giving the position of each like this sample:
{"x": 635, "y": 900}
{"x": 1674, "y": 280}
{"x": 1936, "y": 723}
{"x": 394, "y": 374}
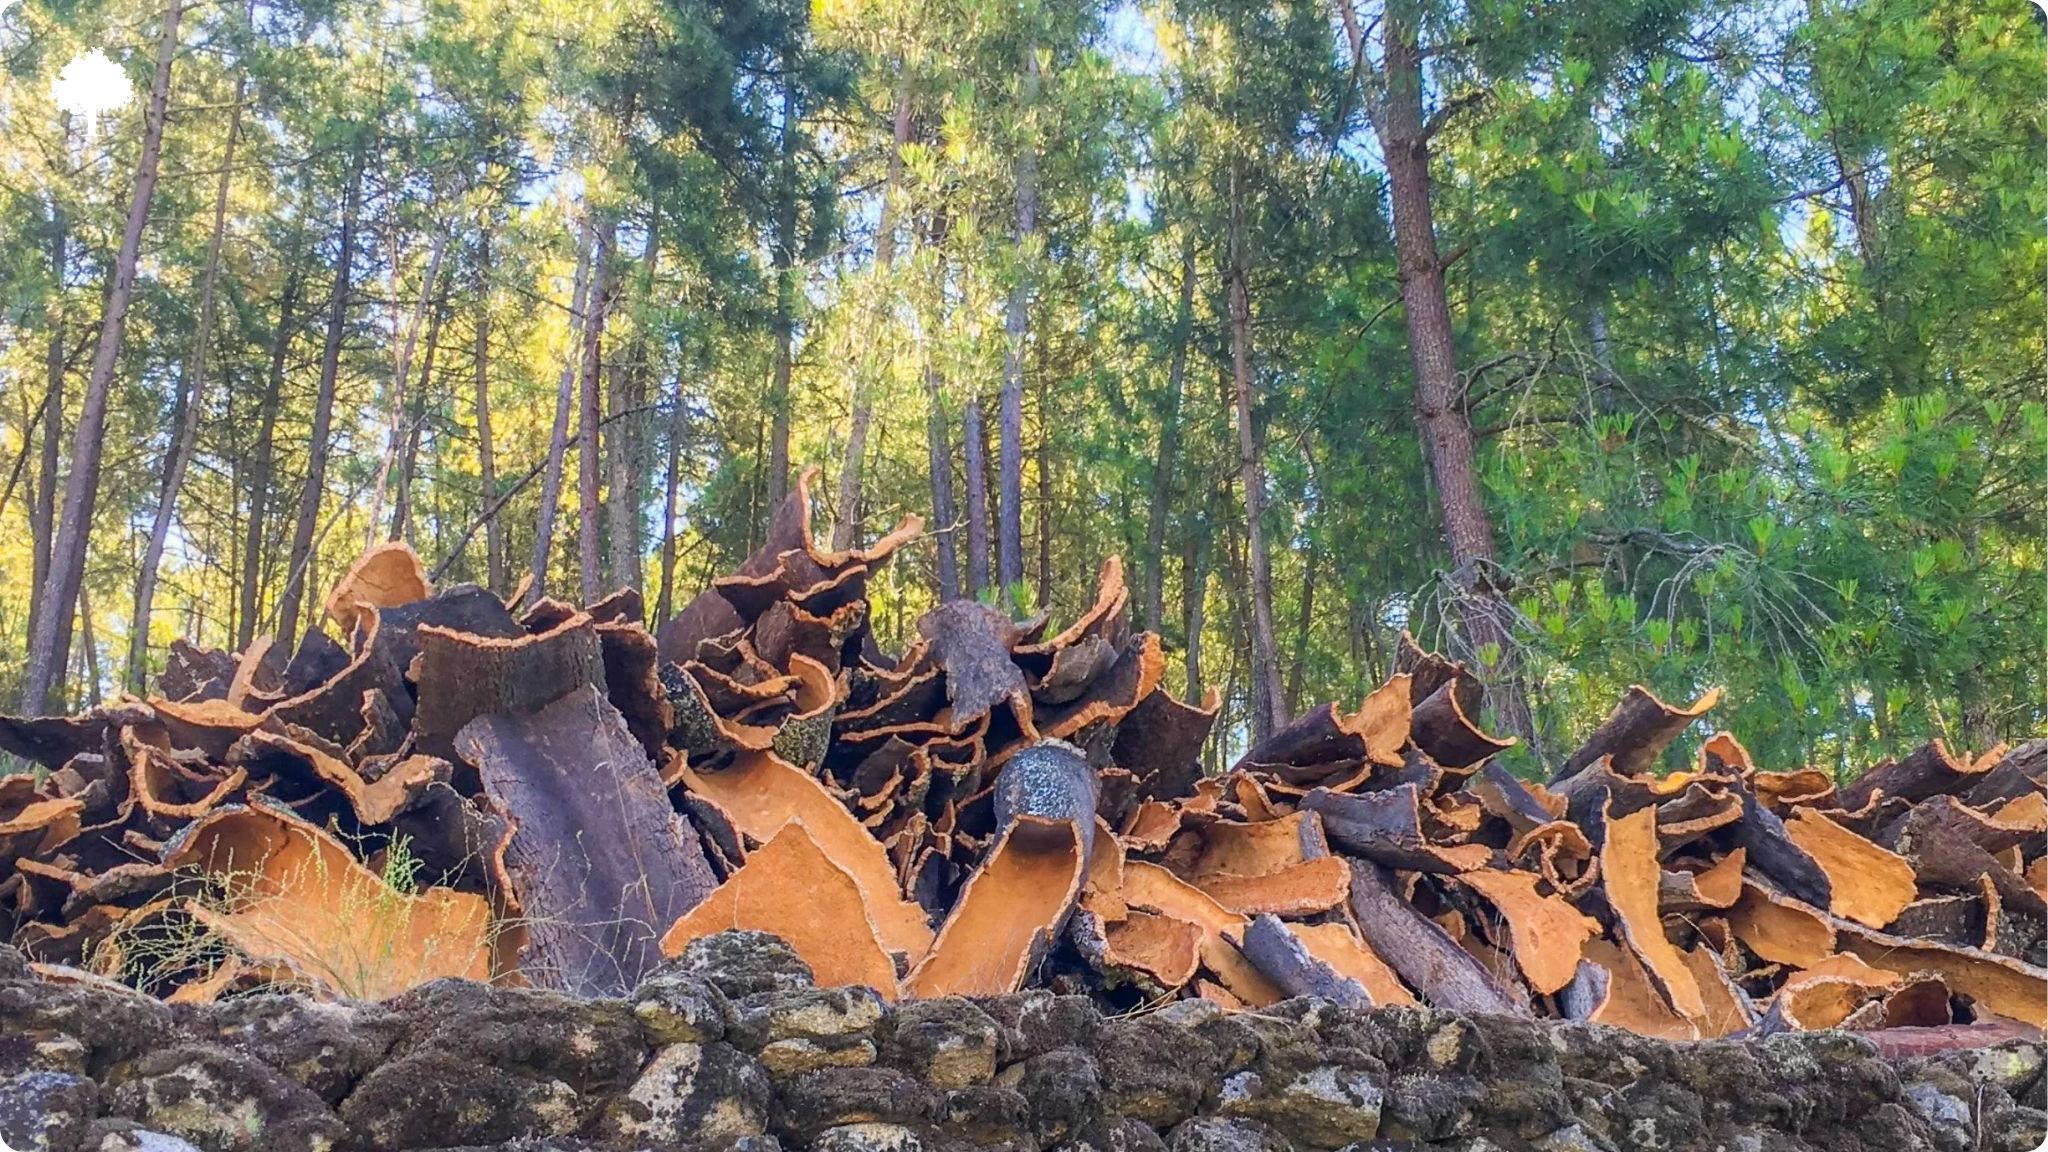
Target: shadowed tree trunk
{"x": 974, "y": 462}
{"x": 678, "y": 427}
{"x": 1169, "y": 443}
{"x": 1269, "y": 706}
{"x": 415, "y": 424}
{"x": 186, "y": 439}
{"x": 589, "y": 559}
{"x": 299, "y": 559}
{"x": 1045, "y": 497}
{"x": 558, "y": 438}
{"x": 846, "y": 514}
{"x": 401, "y": 371}
{"x": 623, "y": 457}
{"x": 1016, "y": 327}
{"x": 944, "y": 515}
{"x": 1194, "y": 594}
{"x": 81, "y": 490}
{"x": 486, "y": 452}
{"x": 261, "y": 456}
{"x": 42, "y": 514}
{"x": 784, "y": 256}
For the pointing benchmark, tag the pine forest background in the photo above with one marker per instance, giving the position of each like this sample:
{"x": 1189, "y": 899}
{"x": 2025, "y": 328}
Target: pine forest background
{"x": 1599, "y": 341}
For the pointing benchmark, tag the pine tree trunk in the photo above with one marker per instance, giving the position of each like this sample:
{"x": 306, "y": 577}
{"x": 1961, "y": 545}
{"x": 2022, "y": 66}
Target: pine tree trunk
{"x": 486, "y": 451}
{"x": 846, "y": 513}
{"x": 42, "y": 514}
{"x": 678, "y": 427}
{"x": 1169, "y": 443}
{"x": 589, "y": 557}
{"x": 1194, "y": 595}
{"x": 185, "y": 440}
{"x": 975, "y": 463}
{"x": 81, "y": 491}
{"x": 1440, "y": 416}
{"x": 944, "y": 514}
{"x": 1045, "y": 498}
{"x": 1016, "y": 327}
{"x": 1269, "y": 706}
{"x": 622, "y": 447}
{"x": 558, "y": 439}
{"x": 785, "y": 308}
{"x": 1303, "y": 625}
{"x": 262, "y": 457}
{"x": 415, "y": 424}
{"x": 401, "y": 374}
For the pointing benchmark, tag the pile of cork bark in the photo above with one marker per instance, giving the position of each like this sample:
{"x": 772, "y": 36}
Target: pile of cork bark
{"x": 522, "y": 790}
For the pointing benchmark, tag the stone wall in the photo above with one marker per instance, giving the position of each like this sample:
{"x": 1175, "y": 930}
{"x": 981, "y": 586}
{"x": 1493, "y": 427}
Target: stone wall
{"x": 730, "y": 1047}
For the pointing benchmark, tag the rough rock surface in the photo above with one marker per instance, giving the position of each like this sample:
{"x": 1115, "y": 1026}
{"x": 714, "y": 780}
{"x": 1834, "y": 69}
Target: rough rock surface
{"x": 729, "y": 1048}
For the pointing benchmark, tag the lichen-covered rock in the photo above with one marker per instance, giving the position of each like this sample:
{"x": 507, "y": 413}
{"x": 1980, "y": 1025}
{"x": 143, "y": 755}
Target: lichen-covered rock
{"x": 1218, "y": 1134}
{"x": 831, "y": 1097}
{"x": 326, "y": 1047}
{"x": 1116, "y": 1134}
{"x": 45, "y": 1111}
{"x": 675, "y": 1006}
{"x": 828, "y": 1015}
{"x": 1425, "y": 1107}
{"x": 593, "y": 1046}
{"x": 1036, "y": 1021}
{"x": 1154, "y": 1072}
{"x": 115, "y": 1135}
{"x": 742, "y": 963}
{"x": 2016, "y": 1129}
{"x": 948, "y": 1042}
{"x": 42, "y": 1051}
{"x": 868, "y": 1137}
{"x": 987, "y": 1115}
{"x": 1064, "y": 1087}
{"x": 1325, "y": 1107}
{"x": 13, "y": 965}
{"x": 113, "y": 1026}
{"x": 691, "y": 1093}
{"x": 221, "y": 1101}
{"x": 431, "y": 1098}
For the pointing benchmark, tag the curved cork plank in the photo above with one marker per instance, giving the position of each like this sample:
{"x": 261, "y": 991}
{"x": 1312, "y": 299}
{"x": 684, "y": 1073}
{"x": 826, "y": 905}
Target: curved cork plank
{"x": 1162, "y": 951}
{"x": 599, "y": 861}
{"x": 1780, "y": 929}
{"x": 1386, "y": 827}
{"x": 1773, "y": 853}
{"x": 761, "y": 792}
{"x": 1255, "y": 849}
{"x": 1729, "y": 1009}
{"x": 1009, "y": 913}
{"x": 1152, "y": 888}
{"x": 1636, "y": 732}
{"x": 333, "y": 709}
{"x": 211, "y": 726}
{"x": 1929, "y": 771}
{"x": 386, "y": 576}
{"x": 2000, "y": 984}
{"x": 792, "y": 888}
{"x": 259, "y": 675}
{"x": 1947, "y": 844}
{"x": 297, "y": 898}
{"x": 1136, "y": 674}
{"x": 1298, "y": 890}
{"x": 1546, "y": 935}
{"x": 1050, "y": 780}
{"x": 1338, "y": 945}
{"x": 1285, "y": 959}
{"x": 1328, "y": 735}
{"x": 1445, "y": 730}
{"x": 267, "y": 754}
{"x": 32, "y": 821}
{"x": 972, "y": 642}
{"x": 1428, "y": 960}
{"x": 169, "y": 791}
{"x": 1723, "y": 755}
{"x": 2017, "y": 773}
{"x": 1101, "y": 620}
{"x": 52, "y": 741}
{"x": 1824, "y": 998}
{"x": 632, "y": 680}
{"x": 1507, "y": 797}
{"x": 1160, "y": 741}
{"x": 1865, "y": 883}
{"x": 1618, "y": 992}
{"x": 1628, "y": 868}
{"x": 462, "y": 677}
{"x": 1783, "y": 791}
{"x": 1698, "y": 889}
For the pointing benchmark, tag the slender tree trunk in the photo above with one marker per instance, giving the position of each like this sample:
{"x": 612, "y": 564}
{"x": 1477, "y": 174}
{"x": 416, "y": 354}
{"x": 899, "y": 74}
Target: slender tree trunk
{"x": 1169, "y": 442}
{"x": 558, "y": 439}
{"x": 401, "y": 372}
{"x": 486, "y": 450}
{"x": 785, "y": 307}
{"x": 589, "y": 557}
{"x": 185, "y": 440}
{"x": 846, "y": 513}
{"x": 1269, "y": 706}
{"x": 944, "y": 514}
{"x": 81, "y": 492}
{"x": 1194, "y": 596}
{"x": 623, "y": 455}
{"x": 1016, "y": 327}
{"x": 261, "y": 456}
{"x": 1444, "y": 425}
{"x": 1303, "y": 625}
{"x": 42, "y": 516}
{"x": 90, "y": 647}
{"x": 678, "y": 427}
{"x": 300, "y": 559}
{"x": 415, "y": 423}
{"x": 975, "y": 464}
{"x": 1045, "y": 498}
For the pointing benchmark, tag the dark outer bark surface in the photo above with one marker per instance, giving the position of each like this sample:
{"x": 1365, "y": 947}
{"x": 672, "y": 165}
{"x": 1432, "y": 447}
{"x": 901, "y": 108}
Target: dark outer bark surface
{"x": 784, "y": 257}
{"x": 1282, "y": 958}
{"x": 42, "y": 516}
{"x": 261, "y": 469}
{"x": 81, "y": 490}
{"x": 601, "y": 863}
{"x": 1269, "y": 705}
{"x": 1016, "y": 328}
{"x": 975, "y": 464}
{"x": 1426, "y": 957}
